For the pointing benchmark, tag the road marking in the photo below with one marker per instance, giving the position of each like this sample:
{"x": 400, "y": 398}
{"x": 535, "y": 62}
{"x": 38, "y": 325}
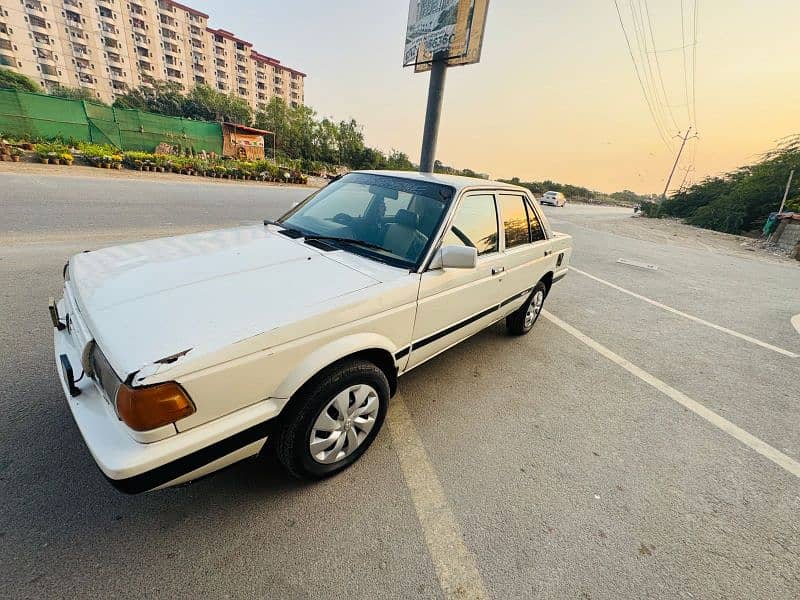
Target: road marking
{"x": 675, "y": 311}
{"x": 796, "y": 322}
{"x": 634, "y": 263}
{"x": 454, "y": 563}
{"x": 760, "y": 446}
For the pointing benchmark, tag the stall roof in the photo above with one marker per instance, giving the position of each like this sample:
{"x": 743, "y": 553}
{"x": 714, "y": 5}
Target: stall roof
{"x": 246, "y": 129}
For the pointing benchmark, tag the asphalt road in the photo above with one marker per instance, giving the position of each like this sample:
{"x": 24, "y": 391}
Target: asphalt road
{"x": 567, "y": 473}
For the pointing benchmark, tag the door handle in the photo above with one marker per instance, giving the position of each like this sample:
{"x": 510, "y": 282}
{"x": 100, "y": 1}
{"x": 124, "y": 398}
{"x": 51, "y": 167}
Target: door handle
{"x": 548, "y": 252}
{"x": 497, "y": 270}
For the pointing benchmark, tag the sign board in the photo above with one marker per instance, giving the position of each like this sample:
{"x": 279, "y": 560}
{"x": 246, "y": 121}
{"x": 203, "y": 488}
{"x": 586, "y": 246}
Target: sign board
{"x": 444, "y": 29}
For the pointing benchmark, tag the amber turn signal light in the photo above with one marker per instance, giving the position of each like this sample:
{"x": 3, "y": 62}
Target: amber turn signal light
{"x": 146, "y": 408}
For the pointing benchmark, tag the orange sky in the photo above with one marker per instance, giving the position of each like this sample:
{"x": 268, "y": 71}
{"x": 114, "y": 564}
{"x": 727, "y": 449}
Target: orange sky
{"x": 555, "y": 95}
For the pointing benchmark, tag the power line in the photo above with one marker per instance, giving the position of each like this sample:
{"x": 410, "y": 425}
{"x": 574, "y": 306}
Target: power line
{"x": 638, "y": 76}
{"x": 658, "y": 65}
{"x": 685, "y": 70}
{"x": 647, "y": 67}
{"x": 694, "y": 60}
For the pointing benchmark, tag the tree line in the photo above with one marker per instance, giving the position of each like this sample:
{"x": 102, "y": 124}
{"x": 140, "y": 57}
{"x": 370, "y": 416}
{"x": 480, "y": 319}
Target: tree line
{"x": 742, "y": 199}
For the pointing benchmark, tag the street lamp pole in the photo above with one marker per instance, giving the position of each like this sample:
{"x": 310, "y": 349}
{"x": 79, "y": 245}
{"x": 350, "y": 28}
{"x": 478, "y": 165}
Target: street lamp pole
{"x": 433, "y": 113}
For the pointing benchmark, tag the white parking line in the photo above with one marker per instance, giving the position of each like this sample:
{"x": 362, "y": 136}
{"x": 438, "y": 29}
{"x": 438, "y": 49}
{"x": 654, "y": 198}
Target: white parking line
{"x": 675, "y": 311}
{"x": 764, "y": 449}
{"x": 454, "y": 563}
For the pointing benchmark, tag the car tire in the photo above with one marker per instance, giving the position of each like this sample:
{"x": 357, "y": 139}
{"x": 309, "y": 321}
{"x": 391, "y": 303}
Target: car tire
{"x": 315, "y": 412}
{"x": 522, "y": 320}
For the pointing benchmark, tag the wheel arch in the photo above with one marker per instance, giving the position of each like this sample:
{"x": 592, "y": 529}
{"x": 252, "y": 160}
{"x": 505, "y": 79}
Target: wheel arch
{"x": 547, "y": 279}
{"x": 372, "y": 347}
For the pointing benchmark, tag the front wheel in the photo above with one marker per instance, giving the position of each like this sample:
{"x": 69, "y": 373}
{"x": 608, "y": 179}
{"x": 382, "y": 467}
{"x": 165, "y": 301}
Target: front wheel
{"x": 333, "y": 419}
{"x": 522, "y": 320}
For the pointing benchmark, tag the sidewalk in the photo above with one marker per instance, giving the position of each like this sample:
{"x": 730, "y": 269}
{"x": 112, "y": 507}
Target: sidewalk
{"x": 34, "y": 169}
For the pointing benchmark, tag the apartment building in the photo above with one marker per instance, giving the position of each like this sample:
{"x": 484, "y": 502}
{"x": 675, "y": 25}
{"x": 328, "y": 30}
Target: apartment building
{"x": 110, "y": 46}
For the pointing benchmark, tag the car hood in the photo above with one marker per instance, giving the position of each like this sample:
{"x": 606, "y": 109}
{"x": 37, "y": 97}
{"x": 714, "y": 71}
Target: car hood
{"x": 146, "y": 302}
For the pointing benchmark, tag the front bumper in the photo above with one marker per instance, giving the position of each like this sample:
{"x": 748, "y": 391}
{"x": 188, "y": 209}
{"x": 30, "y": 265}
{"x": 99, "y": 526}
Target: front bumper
{"x": 133, "y": 466}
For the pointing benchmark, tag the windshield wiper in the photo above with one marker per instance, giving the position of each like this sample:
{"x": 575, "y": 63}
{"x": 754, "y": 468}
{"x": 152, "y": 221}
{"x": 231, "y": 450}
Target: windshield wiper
{"x": 292, "y": 232}
{"x": 343, "y": 240}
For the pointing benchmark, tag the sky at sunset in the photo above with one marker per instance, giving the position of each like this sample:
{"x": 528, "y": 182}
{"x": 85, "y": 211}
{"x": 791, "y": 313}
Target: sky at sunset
{"x": 555, "y": 95}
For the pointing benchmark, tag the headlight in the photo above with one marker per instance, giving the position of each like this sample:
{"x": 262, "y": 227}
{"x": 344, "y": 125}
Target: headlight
{"x": 146, "y": 408}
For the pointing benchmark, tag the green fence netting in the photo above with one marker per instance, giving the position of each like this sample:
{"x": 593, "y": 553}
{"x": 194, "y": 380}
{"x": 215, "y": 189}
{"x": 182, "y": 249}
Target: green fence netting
{"x": 103, "y": 128}
{"x": 38, "y": 116}
{"x": 144, "y": 131}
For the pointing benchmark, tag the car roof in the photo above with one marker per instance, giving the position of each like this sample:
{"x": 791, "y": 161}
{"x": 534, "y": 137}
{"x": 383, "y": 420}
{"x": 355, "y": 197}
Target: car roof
{"x": 457, "y": 181}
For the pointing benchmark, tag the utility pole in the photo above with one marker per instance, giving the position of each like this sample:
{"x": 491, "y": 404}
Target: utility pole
{"x": 675, "y": 166}
{"x": 433, "y": 113}
{"x": 786, "y": 193}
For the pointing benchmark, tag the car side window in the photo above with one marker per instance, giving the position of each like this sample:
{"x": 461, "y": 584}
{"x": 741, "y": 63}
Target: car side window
{"x": 515, "y": 220}
{"x": 537, "y": 231}
{"x": 475, "y": 225}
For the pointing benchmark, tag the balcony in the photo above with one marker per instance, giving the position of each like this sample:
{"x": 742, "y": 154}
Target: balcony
{"x": 198, "y": 68}
{"x": 6, "y": 45}
{"x": 83, "y": 67}
{"x": 46, "y": 57}
{"x": 174, "y": 74}
{"x": 74, "y": 3}
{"x": 38, "y": 25}
{"x": 109, "y": 30}
{"x": 222, "y": 75}
{"x": 4, "y": 32}
{"x": 34, "y": 7}
{"x": 139, "y": 25}
{"x": 106, "y": 14}
{"x": 145, "y": 65}
{"x": 110, "y": 43}
{"x": 73, "y": 19}
{"x": 8, "y": 61}
{"x": 200, "y": 80}
{"x": 115, "y": 61}
{"x": 40, "y": 40}
{"x": 137, "y": 9}
{"x": 80, "y": 50}
{"x": 243, "y": 92}
{"x": 49, "y": 72}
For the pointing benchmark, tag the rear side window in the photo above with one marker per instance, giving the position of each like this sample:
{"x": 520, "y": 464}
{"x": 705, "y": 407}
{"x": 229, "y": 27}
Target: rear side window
{"x": 537, "y": 231}
{"x": 475, "y": 225}
{"x": 515, "y": 220}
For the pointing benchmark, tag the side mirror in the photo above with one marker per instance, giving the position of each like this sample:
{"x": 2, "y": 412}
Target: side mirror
{"x": 455, "y": 257}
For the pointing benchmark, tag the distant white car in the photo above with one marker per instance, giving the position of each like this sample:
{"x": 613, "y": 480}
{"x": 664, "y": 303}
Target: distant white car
{"x": 181, "y": 355}
{"x": 553, "y": 199}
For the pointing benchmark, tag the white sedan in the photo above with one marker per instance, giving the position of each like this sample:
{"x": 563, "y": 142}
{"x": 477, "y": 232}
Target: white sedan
{"x": 182, "y": 355}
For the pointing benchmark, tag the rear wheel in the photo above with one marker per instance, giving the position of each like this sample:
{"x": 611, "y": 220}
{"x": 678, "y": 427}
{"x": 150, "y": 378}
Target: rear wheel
{"x": 333, "y": 419}
{"x": 522, "y": 320}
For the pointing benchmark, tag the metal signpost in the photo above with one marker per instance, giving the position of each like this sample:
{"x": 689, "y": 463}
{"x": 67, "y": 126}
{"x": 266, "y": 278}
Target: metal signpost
{"x": 441, "y": 34}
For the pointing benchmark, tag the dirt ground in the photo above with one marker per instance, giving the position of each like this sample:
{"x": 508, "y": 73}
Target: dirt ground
{"x": 673, "y": 232}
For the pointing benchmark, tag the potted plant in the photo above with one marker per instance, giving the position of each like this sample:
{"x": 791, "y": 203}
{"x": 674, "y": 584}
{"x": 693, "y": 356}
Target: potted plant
{"x": 16, "y": 154}
{"x": 66, "y": 159}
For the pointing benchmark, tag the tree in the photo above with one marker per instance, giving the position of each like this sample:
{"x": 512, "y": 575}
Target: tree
{"x": 74, "y": 93}
{"x": 399, "y": 161}
{"x": 17, "y": 81}
{"x": 742, "y": 199}
{"x": 206, "y": 103}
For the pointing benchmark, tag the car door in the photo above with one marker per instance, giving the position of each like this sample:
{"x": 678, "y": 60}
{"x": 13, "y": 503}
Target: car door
{"x": 526, "y": 251}
{"x": 455, "y": 303}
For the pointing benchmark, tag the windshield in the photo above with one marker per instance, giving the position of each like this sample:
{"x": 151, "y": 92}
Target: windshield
{"x": 388, "y": 218}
